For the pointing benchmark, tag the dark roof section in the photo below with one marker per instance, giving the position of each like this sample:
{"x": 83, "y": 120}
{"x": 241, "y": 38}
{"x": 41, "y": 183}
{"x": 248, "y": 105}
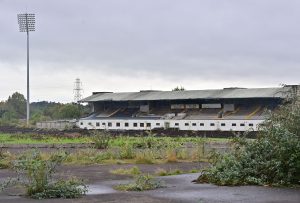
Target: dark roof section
{"x": 226, "y": 93}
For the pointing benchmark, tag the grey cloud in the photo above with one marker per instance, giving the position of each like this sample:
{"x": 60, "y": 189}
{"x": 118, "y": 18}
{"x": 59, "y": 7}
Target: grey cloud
{"x": 252, "y": 41}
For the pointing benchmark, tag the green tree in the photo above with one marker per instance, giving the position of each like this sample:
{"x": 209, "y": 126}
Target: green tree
{"x": 67, "y": 111}
{"x": 17, "y": 103}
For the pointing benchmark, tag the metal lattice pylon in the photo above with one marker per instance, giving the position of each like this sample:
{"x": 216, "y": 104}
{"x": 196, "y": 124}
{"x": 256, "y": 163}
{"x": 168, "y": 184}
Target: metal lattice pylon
{"x": 78, "y": 91}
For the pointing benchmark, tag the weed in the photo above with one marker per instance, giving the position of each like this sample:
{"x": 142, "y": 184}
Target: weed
{"x": 163, "y": 172}
{"x": 101, "y": 139}
{"x": 171, "y": 156}
{"x": 130, "y": 171}
{"x": 5, "y": 159}
{"x": 144, "y": 157}
{"x": 141, "y": 183}
{"x": 127, "y": 151}
{"x": 35, "y": 174}
{"x": 72, "y": 188}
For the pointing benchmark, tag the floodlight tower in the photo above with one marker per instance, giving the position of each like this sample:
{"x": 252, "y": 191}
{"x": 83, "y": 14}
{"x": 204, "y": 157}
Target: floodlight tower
{"x": 27, "y": 24}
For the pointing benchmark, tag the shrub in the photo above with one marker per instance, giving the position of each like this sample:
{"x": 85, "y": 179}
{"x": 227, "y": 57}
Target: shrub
{"x": 72, "y": 188}
{"x": 272, "y": 159}
{"x": 141, "y": 183}
{"x": 101, "y": 139}
{"x": 5, "y": 159}
{"x": 36, "y": 174}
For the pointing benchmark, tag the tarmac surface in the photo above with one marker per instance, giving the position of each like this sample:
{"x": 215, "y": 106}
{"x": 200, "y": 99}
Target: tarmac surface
{"x": 178, "y": 188}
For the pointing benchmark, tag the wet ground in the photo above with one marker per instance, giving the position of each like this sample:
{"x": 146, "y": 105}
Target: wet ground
{"x": 178, "y": 188}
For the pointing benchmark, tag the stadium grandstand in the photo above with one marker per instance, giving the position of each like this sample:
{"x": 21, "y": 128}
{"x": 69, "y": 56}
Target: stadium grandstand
{"x": 228, "y": 109}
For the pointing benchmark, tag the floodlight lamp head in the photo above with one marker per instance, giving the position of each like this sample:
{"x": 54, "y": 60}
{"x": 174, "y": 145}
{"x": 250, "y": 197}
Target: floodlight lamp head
{"x": 26, "y": 22}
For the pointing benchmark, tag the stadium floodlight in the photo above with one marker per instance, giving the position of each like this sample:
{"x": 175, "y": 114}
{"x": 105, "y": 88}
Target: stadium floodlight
{"x": 27, "y": 24}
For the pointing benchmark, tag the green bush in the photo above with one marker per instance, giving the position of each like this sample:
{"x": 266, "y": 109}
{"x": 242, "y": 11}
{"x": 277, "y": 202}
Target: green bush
{"x": 72, "y": 188}
{"x": 272, "y": 159}
{"x": 35, "y": 173}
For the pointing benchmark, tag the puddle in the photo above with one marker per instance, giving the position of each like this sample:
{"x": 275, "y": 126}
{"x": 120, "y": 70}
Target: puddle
{"x": 99, "y": 189}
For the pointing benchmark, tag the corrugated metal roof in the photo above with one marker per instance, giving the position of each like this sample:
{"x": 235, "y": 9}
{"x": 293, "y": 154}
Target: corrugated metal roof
{"x": 226, "y": 93}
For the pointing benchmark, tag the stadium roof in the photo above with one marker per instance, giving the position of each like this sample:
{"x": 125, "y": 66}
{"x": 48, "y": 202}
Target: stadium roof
{"x": 226, "y": 93}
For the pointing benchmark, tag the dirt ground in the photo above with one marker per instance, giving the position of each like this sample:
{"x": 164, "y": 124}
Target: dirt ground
{"x": 178, "y": 188}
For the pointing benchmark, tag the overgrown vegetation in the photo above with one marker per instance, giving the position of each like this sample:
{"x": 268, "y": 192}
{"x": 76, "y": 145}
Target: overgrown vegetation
{"x": 170, "y": 172}
{"x": 122, "y": 149}
{"x": 272, "y": 159}
{"x": 131, "y": 141}
{"x": 163, "y": 172}
{"x": 141, "y": 183}
{"x": 101, "y": 139}
{"x": 127, "y": 171}
{"x": 35, "y": 173}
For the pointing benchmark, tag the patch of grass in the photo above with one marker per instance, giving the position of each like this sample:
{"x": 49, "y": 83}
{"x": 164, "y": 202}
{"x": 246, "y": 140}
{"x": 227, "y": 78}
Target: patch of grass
{"x": 163, "y": 172}
{"x": 121, "y": 149}
{"x": 40, "y": 139}
{"x": 194, "y": 170}
{"x": 88, "y": 156}
{"x": 170, "y": 172}
{"x": 144, "y": 157}
{"x": 141, "y": 183}
{"x": 171, "y": 156}
{"x": 129, "y": 171}
{"x": 127, "y": 151}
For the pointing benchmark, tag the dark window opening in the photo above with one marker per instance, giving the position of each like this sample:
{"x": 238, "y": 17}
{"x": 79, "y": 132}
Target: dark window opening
{"x": 223, "y": 124}
{"x": 251, "y": 124}
{"x": 126, "y": 124}
{"x": 134, "y": 124}
{"x": 242, "y": 124}
{"x": 194, "y": 124}
{"x": 201, "y": 124}
{"x": 118, "y": 124}
{"x": 142, "y": 125}
{"x": 109, "y": 124}
{"x": 148, "y": 124}
{"x": 157, "y": 124}
{"x": 212, "y": 124}
{"x": 186, "y": 124}
{"x": 176, "y": 124}
{"x": 233, "y": 124}
{"x": 81, "y": 123}
{"x": 97, "y": 124}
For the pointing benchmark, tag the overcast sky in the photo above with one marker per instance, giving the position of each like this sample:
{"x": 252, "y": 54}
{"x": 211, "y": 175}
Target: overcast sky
{"x": 130, "y": 45}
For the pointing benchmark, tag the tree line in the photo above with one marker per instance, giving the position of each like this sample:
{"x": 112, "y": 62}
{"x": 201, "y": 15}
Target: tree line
{"x": 13, "y": 110}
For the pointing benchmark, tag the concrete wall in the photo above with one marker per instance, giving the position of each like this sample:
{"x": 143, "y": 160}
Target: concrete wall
{"x": 55, "y": 125}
